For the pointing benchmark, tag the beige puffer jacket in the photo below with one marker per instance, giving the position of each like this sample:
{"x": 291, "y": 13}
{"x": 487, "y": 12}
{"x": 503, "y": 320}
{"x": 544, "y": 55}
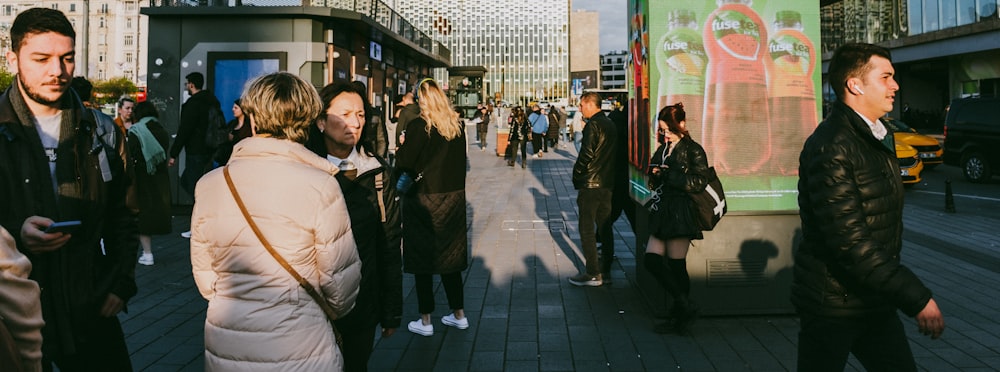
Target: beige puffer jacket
{"x": 259, "y": 318}
{"x": 20, "y": 307}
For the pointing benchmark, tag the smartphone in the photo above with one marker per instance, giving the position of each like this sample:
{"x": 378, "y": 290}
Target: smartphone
{"x": 66, "y": 227}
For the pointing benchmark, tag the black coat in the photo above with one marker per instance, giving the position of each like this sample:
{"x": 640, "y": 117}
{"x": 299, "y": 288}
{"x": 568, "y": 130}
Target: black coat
{"x": 595, "y": 165}
{"x": 851, "y": 206}
{"x": 377, "y": 232}
{"x": 685, "y": 173}
{"x": 194, "y": 123}
{"x": 77, "y": 278}
{"x": 519, "y": 130}
{"x": 435, "y": 239}
{"x": 152, "y": 191}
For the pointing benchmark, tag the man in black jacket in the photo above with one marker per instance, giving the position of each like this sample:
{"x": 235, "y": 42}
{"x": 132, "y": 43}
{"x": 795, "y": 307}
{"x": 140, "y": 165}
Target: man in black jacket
{"x": 848, "y": 279}
{"x": 593, "y": 176}
{"x": 191, "y": 132}
{"x": 56, "y": 167}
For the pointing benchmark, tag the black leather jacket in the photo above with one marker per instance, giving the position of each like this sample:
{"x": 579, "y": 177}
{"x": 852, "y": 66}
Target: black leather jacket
{"x": 851, "y": 206}
{"x": 595, "y": 166}
{"x": 687, "y": 168}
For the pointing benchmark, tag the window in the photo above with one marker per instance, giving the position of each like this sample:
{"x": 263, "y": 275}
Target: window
{"x": 72, "y": 7}
{"x": 104, "y": 9}
{"x": 55, "y": 6}
{"x": 100, "y": 58}
{"x": 128, "y": 57}
{"x": 8, "y": 10}
{"x": 101, "y": 23}
{"x": 128, "y": 40}
{"x": 128, "y": 23}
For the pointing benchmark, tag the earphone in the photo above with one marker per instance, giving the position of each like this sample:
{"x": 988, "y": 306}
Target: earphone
{"x": 859, "y": 89}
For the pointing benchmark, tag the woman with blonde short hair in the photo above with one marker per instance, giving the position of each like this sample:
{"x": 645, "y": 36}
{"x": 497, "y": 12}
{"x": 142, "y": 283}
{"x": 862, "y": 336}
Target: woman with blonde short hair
{"x": 434, "y": 220}
{"x": 258, "y": 314}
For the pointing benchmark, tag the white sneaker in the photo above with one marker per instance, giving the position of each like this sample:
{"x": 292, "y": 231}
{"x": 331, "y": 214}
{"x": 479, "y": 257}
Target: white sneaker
{"x": 146, "y": 259}
{"x": 449, "y": 320}
{"x": 418, "y": 327}
{"x": 186, "y": 234}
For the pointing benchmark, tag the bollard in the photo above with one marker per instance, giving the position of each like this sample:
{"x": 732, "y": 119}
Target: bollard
{"x": 949, "y": 198}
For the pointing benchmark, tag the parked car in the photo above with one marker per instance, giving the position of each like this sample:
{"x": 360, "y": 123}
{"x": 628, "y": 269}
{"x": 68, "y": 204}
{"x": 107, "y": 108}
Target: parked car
{"x": 972, "y": 137}
{"x": 928, "y": 148}
{"x": 910, "y": 165}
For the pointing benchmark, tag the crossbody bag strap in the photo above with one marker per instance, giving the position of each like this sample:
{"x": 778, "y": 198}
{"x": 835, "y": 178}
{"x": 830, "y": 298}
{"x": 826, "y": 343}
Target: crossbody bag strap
{"x": 281, "y": 260}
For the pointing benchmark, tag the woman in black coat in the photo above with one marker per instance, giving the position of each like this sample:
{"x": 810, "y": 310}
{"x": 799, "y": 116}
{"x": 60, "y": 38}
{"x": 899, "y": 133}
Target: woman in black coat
{"x": 147, "y": 144}
{"x": 518, "y": 138}
{"x": 677, "y": 168}
{"x": 434, "y": 216}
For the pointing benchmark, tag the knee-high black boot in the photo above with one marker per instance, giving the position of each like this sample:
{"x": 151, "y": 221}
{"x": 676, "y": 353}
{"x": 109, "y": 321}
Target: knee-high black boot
{"x": 654, "y": 264}
{"x": 684, "y": 311}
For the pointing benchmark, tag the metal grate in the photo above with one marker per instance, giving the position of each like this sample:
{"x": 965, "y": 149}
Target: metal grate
{"x": 533, "y": 225}
{"x": 737, "y": 273}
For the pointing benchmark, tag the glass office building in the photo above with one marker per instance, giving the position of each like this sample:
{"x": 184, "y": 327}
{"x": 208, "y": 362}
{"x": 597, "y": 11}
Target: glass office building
{"x": 941, "y": 49}
{"x": 524, "y": 45}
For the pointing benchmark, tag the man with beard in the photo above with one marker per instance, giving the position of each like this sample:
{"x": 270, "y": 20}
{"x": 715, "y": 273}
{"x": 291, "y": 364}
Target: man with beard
{"x": 56, "y": 168}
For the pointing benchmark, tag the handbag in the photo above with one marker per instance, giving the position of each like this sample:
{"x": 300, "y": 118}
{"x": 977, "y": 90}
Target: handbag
{"x": 281, "y": 260}
{"x": 709, "y": 205}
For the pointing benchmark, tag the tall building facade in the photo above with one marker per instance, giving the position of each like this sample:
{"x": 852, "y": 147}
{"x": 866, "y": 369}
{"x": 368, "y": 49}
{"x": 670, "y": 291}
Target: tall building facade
{"x": 585, "y": 52}
{"x": 941, "y": 49}
{"x": 524, "y": 45}
{"x": 613, "y": 69}
{"x": 110, "y": 35}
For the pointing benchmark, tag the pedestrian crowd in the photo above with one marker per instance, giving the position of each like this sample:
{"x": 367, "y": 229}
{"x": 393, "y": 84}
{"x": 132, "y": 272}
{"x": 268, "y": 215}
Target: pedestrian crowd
{"x": 344, "y": 210}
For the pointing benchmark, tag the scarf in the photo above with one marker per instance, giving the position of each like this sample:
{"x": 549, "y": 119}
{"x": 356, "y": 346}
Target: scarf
{"x": 152, "y": 152}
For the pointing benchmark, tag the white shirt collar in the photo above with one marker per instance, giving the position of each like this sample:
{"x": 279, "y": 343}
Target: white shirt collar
{"x": 353, "y": 157}
{"x": 878, "y": 129}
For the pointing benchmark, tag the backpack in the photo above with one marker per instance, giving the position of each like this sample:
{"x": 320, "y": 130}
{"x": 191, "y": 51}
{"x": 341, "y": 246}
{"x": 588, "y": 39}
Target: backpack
{"x": 217, "y": 132}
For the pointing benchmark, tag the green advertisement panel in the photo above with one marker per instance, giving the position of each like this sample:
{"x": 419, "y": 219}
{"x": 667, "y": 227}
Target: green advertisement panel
{"x": 748, "y": 74}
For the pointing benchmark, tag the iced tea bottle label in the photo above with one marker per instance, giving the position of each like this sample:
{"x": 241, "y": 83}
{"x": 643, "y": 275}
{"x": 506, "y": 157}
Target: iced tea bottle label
{"x": 792, "y": 97}
{"x": 681, "y": 62}
{"x": 736, "y": 123}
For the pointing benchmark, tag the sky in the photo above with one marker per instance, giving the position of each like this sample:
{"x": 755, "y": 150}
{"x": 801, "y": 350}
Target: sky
{"x": 613, "y": 18}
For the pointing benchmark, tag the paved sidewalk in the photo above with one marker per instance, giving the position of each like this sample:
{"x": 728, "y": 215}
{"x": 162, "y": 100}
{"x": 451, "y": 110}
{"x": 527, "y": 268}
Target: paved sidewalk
{"x": 525, "y": 316}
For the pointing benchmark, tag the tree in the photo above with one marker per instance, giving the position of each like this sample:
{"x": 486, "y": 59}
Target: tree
{"x": 6, "y": 78}
{"x": 109, "y": 91}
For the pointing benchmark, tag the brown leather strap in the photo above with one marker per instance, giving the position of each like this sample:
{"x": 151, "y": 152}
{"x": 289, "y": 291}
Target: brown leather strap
{"x": 281, "y": 260}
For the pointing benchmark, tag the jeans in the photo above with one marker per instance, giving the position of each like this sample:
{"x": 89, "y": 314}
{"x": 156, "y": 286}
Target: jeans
{"x": 595, "y": 207}
{"x": 877, "y": 340}
{"x": 195, "y": 166}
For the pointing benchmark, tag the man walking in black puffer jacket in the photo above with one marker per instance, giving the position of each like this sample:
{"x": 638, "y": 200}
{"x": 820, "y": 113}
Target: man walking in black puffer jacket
{"x": 848, "y": 279}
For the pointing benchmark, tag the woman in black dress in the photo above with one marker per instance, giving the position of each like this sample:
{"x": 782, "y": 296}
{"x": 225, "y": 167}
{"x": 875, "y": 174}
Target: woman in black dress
{"x": 677, "y": 168}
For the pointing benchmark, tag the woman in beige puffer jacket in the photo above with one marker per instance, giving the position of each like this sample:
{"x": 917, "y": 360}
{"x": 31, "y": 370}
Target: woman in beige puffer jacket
{"x": 259, "y": 318}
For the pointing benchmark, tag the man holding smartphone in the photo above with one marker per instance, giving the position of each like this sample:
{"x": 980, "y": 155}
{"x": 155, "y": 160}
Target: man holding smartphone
{"x": 57, "y": 168}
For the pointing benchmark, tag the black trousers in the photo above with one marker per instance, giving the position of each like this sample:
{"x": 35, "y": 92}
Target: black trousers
{"x": 620, "y": 202}
{"x": 357, "y": 348}
{"x": 594, "y": 206}
{"x": 513, "y": 146}
{"x": 537, "y": 142}
{"x": 452, "y": 288}
{"x": 102, "y": 348}
{"x": 878, "y": 341}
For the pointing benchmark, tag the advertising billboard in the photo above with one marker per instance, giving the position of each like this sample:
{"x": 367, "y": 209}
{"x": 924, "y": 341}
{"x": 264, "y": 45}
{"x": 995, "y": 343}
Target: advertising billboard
{"x": 581, "y": 80}
{"x": 747, "y": 73}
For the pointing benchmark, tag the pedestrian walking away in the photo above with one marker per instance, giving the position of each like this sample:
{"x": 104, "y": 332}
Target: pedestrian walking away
{"x": 435, "y": 237}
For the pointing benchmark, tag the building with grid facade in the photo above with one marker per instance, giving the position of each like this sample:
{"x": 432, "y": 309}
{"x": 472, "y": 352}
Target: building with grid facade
{"x": 524, "y": 45}
{"x": 112, "y": 45}
{"x": 941, "y": 49}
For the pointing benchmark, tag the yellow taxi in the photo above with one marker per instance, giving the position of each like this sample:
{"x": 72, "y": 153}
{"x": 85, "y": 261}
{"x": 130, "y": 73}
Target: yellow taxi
{"x": 929, "y": 149}
{"x": 910, "y": 165}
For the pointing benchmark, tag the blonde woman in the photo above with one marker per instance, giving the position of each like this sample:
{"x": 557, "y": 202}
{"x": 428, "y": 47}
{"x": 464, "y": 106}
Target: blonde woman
{"x": 434, "y": 227}
{"x": 259, "y": 317}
